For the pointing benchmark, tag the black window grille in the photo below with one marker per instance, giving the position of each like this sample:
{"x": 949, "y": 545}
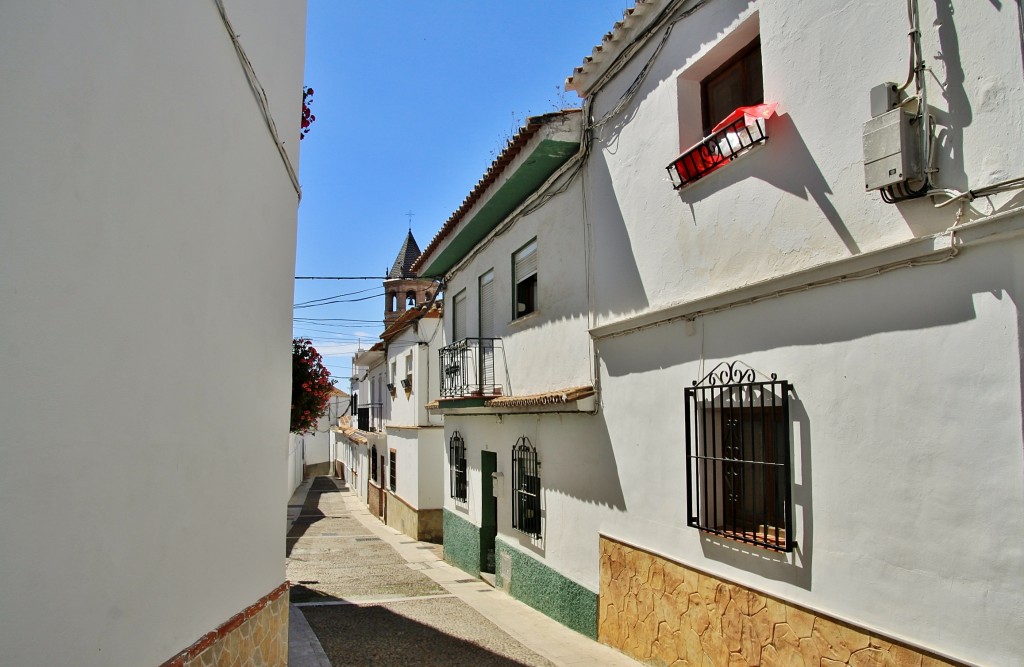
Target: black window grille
{"x": 373, "y": 463}
{"x": 457, "y": 461}
{"x": 738, "y": 477}
{"x": 393, "y": 470}
{"x": 525, "y": 488}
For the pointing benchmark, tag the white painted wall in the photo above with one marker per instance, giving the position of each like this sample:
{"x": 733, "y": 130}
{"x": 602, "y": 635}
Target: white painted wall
{"x": 431, "y": 467}
{"x": 356, "y": 463}
{"x": 907, "y": 406}
{"x": 907, "y": 439}
{"x": 295, "y": 451}
{"x": 147, "y": 239}
{"x": 421, "y": 343}
{"x": 407, "y": 483}
{"x": 799, "y": 200}
{"x": 579, "y": 484}
{"x": 548, "y": 349}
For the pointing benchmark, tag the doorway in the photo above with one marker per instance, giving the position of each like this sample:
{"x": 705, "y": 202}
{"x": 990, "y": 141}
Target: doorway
{"x": 383, "y": 505}
{"x": 488, "y": 511}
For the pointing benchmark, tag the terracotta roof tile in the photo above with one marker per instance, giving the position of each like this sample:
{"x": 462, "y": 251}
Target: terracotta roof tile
{"x": 512, "y": 149}
{"x": 630, "y": 17}
{"x": 567, "y": 395}
{"x": 410, "y": 316}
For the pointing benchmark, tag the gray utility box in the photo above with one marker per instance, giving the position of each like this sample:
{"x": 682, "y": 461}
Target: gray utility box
{"x": 892, "y": 150}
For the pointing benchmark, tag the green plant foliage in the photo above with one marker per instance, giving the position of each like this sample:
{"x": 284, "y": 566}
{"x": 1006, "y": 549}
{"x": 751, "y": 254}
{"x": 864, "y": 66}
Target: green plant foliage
{"x": 311, "y": 386}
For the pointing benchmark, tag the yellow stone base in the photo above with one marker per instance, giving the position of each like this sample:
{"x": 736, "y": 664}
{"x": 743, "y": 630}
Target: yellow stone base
{"x": 257, "y": 636}
{"x": 663, "y": 613}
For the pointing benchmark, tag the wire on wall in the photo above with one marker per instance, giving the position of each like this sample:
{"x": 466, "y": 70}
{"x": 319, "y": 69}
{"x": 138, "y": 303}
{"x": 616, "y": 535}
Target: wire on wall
{"x": 261, "y": 98}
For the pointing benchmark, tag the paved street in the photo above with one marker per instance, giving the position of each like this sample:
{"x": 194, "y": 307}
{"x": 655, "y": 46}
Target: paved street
{"x": 372, "y": 596}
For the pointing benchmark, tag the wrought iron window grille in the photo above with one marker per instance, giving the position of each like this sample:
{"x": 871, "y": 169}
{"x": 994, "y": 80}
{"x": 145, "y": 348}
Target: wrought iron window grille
{"x": 457, "y": 461}
{"x": 393, "y": 470}
{"x": 468, "y": 368}
{"x": 526, "y": 488}
{"x": 738, "y": 472}
{"x": 373, "y": 463}
{"x": 715, "y": 150}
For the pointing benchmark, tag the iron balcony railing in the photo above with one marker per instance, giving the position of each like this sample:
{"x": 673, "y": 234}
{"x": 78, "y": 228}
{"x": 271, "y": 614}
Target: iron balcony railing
{"x": 371, "y": 417}
{"x": 715, "y": 150}
{"x": 468, "y": 368}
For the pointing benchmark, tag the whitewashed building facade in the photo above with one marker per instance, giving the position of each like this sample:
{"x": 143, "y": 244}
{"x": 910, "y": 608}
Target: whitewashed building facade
{"x": 147, "y": 250}
{"x": 414, "y": 437}
{"x": 808, "y": 437}
{"x": 873, "y": 411}
{"x": 517, "y": 376}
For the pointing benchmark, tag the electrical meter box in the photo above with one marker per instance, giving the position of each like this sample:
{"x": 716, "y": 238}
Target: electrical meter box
{"x": 892, "y": 150}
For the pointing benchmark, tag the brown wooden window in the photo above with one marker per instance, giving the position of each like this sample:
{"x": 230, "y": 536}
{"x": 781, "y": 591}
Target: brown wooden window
{"x": 737, "y": 83}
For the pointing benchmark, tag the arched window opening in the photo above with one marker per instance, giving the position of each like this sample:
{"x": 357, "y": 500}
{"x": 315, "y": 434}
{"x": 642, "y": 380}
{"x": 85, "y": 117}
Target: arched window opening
{"x": 525, "y": 488}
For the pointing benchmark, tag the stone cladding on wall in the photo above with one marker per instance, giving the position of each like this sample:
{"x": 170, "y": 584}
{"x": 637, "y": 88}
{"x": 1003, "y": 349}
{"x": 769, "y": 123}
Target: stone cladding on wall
{"x": 663, "y": 613}
{"x": 461, "y": 543}
{"x": 423, "y": 525}
{"x": 527, "y": 579}
{"x": 257, "y": 636}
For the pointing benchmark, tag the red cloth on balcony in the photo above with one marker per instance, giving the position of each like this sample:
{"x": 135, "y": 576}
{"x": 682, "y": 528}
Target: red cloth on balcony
{"x": 749, "y": 114}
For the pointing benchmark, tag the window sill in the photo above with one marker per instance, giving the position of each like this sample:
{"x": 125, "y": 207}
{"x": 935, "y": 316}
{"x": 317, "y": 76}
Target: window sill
{"x": 759, "y": 539}
{"x": 524, "y": 318}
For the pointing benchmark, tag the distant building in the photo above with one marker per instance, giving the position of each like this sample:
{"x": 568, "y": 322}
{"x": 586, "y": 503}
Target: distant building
{"x": 392, "y": 450}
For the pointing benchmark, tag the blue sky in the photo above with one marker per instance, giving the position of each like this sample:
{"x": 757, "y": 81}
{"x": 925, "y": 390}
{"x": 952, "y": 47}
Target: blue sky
{"x": 413, "y": 100}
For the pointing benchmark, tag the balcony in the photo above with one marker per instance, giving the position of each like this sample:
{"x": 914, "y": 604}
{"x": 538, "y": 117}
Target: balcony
{"x": 468, "y": 368}
{"x": 741, "y": 131}
{"x": 370, "y": 417}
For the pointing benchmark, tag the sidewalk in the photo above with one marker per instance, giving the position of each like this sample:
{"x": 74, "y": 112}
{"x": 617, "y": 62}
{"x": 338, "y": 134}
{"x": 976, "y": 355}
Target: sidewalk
{"x": 536, "y": 632}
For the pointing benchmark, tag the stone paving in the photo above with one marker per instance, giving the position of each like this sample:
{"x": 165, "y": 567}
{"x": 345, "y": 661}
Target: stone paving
{"x": 373, "y": 596}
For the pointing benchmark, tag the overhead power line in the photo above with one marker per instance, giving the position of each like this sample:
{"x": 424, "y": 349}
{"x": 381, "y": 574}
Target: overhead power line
{"x": 341, "y": 277}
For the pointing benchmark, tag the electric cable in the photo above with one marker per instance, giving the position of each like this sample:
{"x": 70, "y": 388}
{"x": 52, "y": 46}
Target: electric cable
{"x": 261, "y": 98}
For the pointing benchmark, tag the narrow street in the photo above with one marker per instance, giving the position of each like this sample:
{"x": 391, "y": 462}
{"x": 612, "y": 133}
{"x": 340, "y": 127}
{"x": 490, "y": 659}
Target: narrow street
{"x": 373, "y": 596}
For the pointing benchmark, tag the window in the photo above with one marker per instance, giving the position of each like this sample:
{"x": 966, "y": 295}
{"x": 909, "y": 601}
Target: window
{"x": 525, "y": 488}
{"x": 408, "y": 368}
{"x": 373, "y": 464}
{"x": 392, "y": 470}
{"x": 457, "y": 463}
{"x": 524, "y": 277}
{"x": 738, "y": 480}
{"x": 459, "y": 317}
{"x": 737, "y": 83}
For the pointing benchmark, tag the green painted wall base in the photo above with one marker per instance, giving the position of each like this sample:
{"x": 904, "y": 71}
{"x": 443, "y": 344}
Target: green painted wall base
{"x": 527, "y": 579}
{"x": 461, "y": 543}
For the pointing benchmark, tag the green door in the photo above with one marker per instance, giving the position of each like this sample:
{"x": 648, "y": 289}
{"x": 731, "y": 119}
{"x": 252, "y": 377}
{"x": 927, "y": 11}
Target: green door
{"x": 488, "y": 511}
